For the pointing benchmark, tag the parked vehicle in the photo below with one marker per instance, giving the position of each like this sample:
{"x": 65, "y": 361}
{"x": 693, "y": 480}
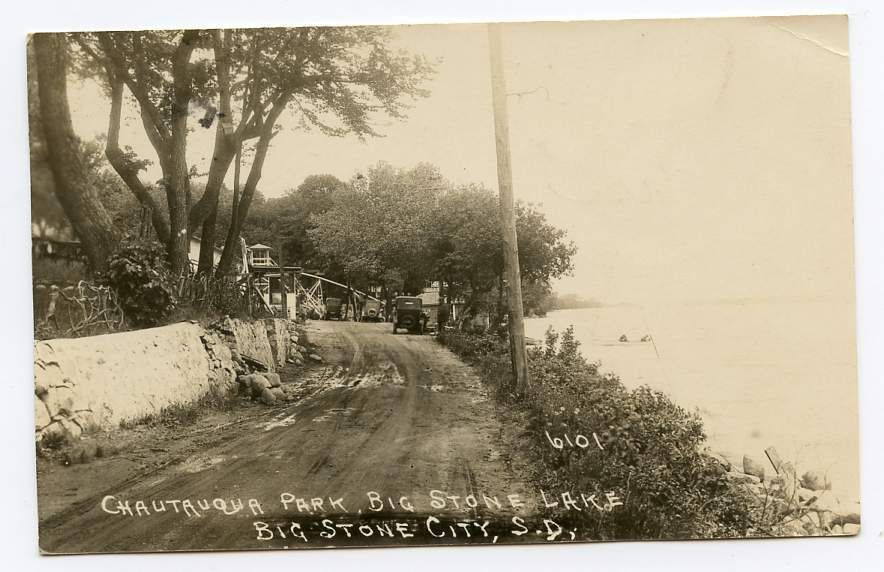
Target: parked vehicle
{"x": 371, "y": 310}
{"x": 332, "y": 309}
{"x": 408, "y": 314}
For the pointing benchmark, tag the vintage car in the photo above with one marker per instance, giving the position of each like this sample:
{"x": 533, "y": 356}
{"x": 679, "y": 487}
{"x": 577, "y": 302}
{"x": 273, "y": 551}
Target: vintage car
{"x": 371, "y": 310}
{"x": 408, "y": 314}
{"x": 332, "y": 309}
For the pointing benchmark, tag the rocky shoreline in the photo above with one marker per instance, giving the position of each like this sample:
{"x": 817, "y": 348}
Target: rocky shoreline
{"x": 788, "y": 504}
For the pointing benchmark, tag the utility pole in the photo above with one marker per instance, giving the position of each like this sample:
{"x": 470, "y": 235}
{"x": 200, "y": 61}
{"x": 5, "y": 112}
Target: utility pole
{"x": 512, "y": 277}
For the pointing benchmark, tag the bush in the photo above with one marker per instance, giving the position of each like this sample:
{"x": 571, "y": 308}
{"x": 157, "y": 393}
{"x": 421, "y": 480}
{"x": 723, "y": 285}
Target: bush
{"x": 139, "y": 275}
{"x": 652, "y": 452}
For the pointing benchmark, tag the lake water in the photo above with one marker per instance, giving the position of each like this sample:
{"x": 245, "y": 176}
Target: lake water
{"x": 760, "y": 374}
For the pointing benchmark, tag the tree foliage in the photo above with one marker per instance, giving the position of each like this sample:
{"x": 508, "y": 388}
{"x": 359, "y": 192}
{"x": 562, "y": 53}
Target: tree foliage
{"x": 241, "y": 81}
{"x": 375, "y": 230}
{"x": 400, "y": 229}
{"x": 139, "y": 275}
{"x": 287, "y": 219}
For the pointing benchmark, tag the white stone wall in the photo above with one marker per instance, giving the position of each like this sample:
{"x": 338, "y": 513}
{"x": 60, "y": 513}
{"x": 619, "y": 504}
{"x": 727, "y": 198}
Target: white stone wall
{"x": 102, "y": 380}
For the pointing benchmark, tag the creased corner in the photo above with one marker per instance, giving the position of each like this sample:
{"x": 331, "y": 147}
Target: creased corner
{"x": 812, "y": 40}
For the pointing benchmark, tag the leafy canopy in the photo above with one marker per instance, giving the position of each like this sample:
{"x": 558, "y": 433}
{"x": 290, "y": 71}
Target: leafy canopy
{"x": 403, "y": 228}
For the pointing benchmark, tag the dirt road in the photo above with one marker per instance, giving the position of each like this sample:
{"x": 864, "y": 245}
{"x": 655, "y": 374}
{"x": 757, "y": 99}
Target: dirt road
{"x": 382, "y": 424}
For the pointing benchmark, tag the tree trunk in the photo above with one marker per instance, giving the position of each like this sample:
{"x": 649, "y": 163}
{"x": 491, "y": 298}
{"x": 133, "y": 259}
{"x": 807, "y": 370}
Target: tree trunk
{"x": 218, "y": 170}
{"x": 124, "y": 168}
{"x": 239, "y": 214}
{"x": 79, "y": 200}
{"x": 500, "y": 310}
{"x": 226, "y": 262}
{"x": 176, "y": 197}
{"x": 207, "y": 243}
{"x": 231, "y": 242}
{"x": 177, "y": 178}
{"x": 224, "y": 152}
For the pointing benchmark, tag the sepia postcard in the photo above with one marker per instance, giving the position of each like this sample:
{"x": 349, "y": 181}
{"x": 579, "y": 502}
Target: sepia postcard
{"x": 461, "y": 284}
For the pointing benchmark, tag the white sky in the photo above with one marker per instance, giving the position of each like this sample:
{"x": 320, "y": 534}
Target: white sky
{"x": 689, "y": 160}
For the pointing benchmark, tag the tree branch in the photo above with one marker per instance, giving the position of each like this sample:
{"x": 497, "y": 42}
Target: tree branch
{"x": 156, "y": 131}
{"x": 124, "y": 168}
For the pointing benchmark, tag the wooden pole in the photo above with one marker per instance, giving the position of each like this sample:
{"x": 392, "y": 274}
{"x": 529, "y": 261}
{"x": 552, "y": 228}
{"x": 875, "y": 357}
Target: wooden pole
{"x": 249, "y": 285}
{"x": 282, "y": 294}
{"x": 512, "y": 277}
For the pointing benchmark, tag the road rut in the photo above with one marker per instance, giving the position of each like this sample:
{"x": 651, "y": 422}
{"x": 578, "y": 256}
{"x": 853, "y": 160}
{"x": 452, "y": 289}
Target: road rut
{"x": 390, "y": 416}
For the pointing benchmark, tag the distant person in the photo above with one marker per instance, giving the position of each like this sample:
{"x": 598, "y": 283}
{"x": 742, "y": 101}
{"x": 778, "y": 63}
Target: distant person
{"x": 442, "y": 315}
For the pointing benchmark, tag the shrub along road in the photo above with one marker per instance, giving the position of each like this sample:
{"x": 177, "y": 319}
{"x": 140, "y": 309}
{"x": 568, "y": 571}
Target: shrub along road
{"x": 366, "y": 437}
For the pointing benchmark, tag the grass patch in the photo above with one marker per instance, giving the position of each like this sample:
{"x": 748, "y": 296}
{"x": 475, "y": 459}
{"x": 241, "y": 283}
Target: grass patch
{"x": 180, "y": 414}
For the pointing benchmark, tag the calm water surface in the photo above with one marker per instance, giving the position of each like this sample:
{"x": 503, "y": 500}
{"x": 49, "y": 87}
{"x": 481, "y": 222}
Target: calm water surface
{"x": 760, "y": 374}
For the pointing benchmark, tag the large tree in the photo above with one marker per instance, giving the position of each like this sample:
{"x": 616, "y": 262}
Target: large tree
{"x": 375, "y": 232}
{"x": 403, "y": 228}
{"x": 157, "y": 68}
{"x": 466, "y": 244}
{"x": 287, "y": 219}
{"x": 335, "y": 79}
{"x": 53, "y": 135}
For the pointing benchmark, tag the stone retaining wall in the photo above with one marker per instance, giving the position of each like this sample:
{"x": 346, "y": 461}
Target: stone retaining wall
{"x": 279, "y": 338}
{"x": 100, "y": 381}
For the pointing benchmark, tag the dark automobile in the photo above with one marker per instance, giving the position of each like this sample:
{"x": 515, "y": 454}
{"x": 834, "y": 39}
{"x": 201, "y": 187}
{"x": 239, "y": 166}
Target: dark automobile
{"x": 371, "y": 310}
{"x": 408, "y": 314}
{"x": 332, "y": 309}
